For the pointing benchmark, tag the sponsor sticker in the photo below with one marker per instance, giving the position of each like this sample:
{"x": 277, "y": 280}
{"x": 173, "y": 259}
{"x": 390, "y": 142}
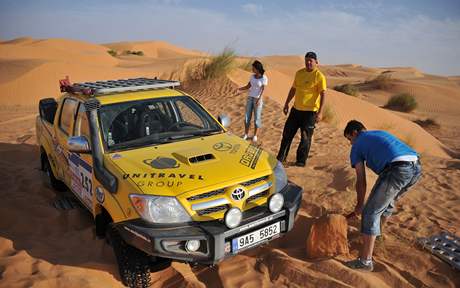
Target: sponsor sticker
{"x": 222, "y": 146}
{"x": 100, "y": 196}
{"x": 251, "y": 156}
{"x": 162, "y": 163}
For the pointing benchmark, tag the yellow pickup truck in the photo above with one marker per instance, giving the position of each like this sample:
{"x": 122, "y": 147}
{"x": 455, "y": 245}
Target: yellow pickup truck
{"x": 163, "y": 179}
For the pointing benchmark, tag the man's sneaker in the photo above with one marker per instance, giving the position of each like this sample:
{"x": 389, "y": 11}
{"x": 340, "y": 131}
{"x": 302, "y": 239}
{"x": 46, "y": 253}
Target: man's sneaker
{"x": 245, "y": 136}
{"x": 358, "y": 264}
{"x": 299, "y": 164}
{"x": 254, "y": 139}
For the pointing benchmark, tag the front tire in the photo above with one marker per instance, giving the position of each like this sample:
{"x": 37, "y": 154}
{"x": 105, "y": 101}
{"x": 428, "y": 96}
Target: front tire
{"x": 133, "y": 264}
{"x": 54, "y": 182}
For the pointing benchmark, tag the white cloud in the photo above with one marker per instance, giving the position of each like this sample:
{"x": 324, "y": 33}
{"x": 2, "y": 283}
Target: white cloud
{"x": 252, "y": 9}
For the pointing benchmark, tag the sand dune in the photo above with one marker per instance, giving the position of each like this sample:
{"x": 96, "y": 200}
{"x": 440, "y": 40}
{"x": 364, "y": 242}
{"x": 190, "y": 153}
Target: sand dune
{"x": 28, "y": 88}
{"x": 53, "y": 50}
{"x": 41, "y": 246}
{"x": 156, "y": 49}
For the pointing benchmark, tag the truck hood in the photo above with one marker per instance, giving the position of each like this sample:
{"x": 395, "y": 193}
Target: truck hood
{"x": 193, "y": 164}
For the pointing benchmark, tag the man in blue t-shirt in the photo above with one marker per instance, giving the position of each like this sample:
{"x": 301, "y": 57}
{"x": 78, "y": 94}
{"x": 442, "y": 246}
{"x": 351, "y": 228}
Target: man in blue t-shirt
{"x": 398, "y": 167}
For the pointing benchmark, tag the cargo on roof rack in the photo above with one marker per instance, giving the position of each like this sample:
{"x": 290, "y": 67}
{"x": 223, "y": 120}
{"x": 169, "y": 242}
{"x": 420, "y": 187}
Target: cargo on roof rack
{"x": 115, "y": 86}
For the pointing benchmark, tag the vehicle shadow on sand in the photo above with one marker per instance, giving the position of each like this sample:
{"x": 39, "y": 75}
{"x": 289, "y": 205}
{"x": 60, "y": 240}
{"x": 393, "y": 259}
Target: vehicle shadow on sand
{"x": 33, "y": 223}
{"x": 58, "y": 235}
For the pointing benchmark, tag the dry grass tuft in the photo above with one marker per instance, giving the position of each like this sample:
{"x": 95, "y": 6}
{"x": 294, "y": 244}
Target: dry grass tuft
{"x": 329, "y": 116}
{"x": 403, "y": 102}
{"x": 214, "y": 67}
{"x": 348, "y": 89}
{"x": 112, "y": 52}
{"x": 129, "y": 52}
{"x": 427, "y": 123}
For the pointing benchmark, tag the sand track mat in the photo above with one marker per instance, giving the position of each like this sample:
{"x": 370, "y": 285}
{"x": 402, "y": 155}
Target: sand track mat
{"x": 64, "y": 203}
{"x": 446, "y": 246}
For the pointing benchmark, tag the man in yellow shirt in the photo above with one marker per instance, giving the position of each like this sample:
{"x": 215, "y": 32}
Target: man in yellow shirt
{"x": 309, "y": 93}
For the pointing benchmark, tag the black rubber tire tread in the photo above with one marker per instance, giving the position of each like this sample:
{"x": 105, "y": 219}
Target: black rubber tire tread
{"x": 54, "y": 182}
{"x": 133, "y": 264}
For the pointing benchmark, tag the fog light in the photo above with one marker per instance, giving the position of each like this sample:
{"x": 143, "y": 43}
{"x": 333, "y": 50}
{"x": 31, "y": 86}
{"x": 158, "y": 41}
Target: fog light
{"x": 233, "y": 217}
{"x": 276, "y": 202}
{"x": 192, "y": 245}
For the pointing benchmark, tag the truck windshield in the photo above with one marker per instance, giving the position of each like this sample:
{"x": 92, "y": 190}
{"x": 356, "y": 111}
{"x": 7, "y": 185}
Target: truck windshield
{"x": 154, "y": 121}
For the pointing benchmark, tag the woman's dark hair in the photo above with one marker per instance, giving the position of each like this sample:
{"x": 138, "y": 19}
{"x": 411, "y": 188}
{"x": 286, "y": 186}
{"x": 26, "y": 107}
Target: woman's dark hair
{"x": 353, "y": 125}
{"x": 259, "y": 67}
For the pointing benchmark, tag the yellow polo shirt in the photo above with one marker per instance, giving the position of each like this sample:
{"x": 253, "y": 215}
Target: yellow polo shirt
{"x": 308, "y": 86}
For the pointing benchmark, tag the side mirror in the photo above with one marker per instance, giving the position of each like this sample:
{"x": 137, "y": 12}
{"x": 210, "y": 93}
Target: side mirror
{"x": 224, "y": 120}
{"x": 78, "y": 144}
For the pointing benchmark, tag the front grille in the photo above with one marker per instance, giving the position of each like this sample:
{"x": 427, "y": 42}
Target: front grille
{"x": 254, "y": 181}
{"x": 212, "y": 210}
{"x": 257, "y": 196}
{"x": 206, "y": 195}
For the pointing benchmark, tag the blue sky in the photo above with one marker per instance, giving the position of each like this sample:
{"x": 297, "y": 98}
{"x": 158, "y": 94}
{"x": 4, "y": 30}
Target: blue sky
{"x": 424, "y": 34}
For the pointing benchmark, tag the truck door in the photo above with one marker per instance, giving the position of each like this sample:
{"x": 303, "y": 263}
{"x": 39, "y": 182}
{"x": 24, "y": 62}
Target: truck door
{"x": 81, "y": 164}
{"x": 63, "y": 131}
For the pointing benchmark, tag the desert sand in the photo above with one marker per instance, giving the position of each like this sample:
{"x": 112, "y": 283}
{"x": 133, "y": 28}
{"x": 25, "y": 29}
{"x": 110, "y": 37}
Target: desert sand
{"x": 41, "y": 246}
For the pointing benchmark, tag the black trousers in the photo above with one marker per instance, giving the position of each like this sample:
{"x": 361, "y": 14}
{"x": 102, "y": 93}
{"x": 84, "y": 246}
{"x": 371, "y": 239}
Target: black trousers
{"x": 305, "y": 120}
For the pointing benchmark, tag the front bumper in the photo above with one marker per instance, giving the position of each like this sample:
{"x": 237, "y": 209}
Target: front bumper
{"x": 168, "y": 241}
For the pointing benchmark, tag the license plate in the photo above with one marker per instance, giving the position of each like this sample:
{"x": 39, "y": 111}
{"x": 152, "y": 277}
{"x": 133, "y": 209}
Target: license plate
{"x": 255, "y": 237}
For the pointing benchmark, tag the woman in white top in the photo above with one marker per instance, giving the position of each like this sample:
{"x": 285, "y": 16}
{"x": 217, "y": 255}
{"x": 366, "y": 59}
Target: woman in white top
{"x": 254, "y": 103}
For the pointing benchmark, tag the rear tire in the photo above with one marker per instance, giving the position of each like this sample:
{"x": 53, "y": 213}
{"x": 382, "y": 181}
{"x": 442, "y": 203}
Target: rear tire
{"x": 133, "y": 264}
{"x": 54, "y": 182}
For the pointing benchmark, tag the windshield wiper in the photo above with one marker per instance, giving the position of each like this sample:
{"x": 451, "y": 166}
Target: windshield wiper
{"x": 163, "y": 140}
{"x": 139, "y": 143}
{"x": 206, "y": 132}
{"x": 189, "y": 135}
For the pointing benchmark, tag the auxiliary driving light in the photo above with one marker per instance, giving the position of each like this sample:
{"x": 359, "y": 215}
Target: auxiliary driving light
{"x": 192, "y": 245}
{"x": 276, "y": 202}
{"x": 233, "y": 217}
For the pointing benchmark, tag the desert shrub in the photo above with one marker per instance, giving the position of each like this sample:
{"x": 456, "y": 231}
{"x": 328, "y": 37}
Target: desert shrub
{"x": 112, "y": 52}
{"x": 427, "y": 123}
{"x": 220, "y": 64}
{"x": 382, "y": 81}
{"x": 349, "y": 89}
{"x": 129, "y": 52}
{"x": 329, "y": 115}
{"x": 403, "y": 102}
{"x": 213, "y": 67}
{"x": 194, "y": 70}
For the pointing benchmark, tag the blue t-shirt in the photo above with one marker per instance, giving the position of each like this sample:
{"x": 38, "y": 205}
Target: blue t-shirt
{"x": 377, "y": 149}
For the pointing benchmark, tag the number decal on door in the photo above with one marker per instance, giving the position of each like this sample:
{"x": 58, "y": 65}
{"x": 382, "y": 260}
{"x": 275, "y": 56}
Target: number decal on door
{"x": 86, "y": 183}
{"x": 81, "y": 179}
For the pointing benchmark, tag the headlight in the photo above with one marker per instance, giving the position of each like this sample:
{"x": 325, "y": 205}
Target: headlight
{"x": 276, "y": 202}
{"x": 233, "y": 217}
{"x": 280, "y": 176}
{"x": 159, "y": 209}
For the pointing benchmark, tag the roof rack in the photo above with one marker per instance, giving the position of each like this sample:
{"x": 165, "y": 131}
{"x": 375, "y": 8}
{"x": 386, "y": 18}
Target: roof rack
{"x": 114, "y": 86}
